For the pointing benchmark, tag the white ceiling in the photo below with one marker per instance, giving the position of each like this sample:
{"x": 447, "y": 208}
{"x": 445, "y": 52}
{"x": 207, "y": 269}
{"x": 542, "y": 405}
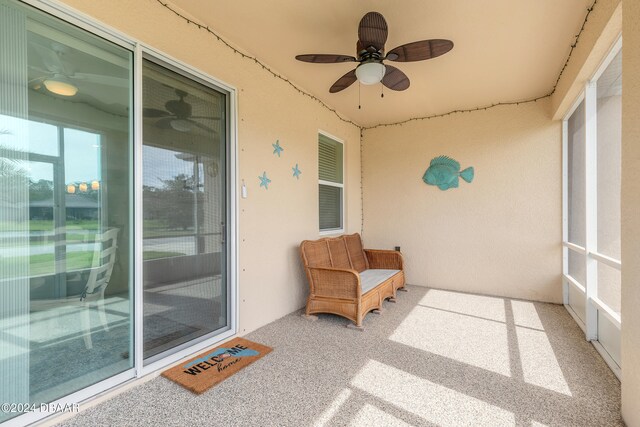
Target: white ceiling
{"x": 505, "y": 50}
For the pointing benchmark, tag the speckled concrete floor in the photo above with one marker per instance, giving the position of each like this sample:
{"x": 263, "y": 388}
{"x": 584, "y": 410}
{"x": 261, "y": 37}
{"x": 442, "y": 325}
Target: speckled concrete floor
{"x": 434, "y": 358}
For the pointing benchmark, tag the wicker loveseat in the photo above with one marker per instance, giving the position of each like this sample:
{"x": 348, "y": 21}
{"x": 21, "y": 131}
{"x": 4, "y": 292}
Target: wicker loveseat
{"x": 348, "y": 281}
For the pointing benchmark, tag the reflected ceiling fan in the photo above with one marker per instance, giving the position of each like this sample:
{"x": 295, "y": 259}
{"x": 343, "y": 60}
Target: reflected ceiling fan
{"x": 372, "y": 35}
{"x": 178, "y": 115}
{"x": 60, "y": 76}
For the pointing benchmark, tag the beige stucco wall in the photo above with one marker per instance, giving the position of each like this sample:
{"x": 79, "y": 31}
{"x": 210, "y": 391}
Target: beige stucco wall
{"x": 631, "y": 214}
{"x": 499, "y": 235}
{"x": 271, "y": 222}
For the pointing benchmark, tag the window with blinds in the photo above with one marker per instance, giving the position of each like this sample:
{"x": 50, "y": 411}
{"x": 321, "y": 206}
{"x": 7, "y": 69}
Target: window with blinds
{"x": 331, "y": 183}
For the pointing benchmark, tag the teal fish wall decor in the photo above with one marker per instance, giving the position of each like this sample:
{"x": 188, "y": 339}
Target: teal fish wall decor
{"x": 443, "y": 171}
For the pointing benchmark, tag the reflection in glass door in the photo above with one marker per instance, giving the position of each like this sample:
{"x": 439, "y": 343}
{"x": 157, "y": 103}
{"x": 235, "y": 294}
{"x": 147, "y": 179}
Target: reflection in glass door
{"x": 184, "y": 211}
{"x": 65, "y": 182}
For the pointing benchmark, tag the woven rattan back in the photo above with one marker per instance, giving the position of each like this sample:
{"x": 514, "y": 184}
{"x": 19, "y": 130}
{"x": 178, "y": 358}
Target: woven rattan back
{"x": 315, "y": 253}
{"x": 356, "y": 254}
{"x": 339, "y": 255}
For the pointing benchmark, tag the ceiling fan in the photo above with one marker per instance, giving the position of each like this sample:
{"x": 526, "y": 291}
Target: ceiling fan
{"x": 178, "y": 115}
{"x": 60, "y": 76}
{"x": 372, "y": 35}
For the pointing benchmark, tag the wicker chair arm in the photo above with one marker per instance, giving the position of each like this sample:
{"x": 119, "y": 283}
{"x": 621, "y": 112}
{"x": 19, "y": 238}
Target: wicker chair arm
{"x": 384, "y": 259}
{"x": 334, "y": 282}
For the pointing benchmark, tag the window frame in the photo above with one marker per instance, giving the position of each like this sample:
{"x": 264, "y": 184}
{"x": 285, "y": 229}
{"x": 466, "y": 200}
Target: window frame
{"x": 593, "y": 305}
{"x": 342, "y": 186}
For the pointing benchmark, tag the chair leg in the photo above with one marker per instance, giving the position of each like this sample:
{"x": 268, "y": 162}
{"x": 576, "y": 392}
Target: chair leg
{"x": 403, "y": 289}
{"x": 103, "y": 314}
{"x": 86, "y": 326}
{"x": 358, "y": 325}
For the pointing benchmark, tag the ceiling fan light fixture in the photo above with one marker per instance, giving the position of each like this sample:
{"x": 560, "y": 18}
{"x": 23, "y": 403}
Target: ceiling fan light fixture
{"x": 181, "y": 125}
{"x": 370, "y": 73}
{"x": 60, "y": 86}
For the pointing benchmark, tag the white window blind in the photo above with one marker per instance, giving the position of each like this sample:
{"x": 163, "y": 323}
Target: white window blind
{"x": 331, "y": 184}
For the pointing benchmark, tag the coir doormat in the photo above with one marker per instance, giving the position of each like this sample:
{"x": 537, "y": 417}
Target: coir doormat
{"x": 214, "y": 366}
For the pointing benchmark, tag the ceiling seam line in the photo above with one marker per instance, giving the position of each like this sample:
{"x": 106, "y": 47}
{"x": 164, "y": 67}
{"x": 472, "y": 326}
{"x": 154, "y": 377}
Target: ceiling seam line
{"x": 468, "y": 110}
{"x": 257, "y": 62}
{"x": 362, "y": 128}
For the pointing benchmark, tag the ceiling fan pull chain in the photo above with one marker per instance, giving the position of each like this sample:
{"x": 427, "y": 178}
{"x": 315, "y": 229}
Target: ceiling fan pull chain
{"x": 382, "y": 91}
{"x": 359, "y": 106}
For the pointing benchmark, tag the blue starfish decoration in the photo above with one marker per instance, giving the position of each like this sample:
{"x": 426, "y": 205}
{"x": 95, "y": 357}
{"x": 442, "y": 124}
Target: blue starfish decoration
{"x": 296, "y": 172}
{"x": 277, "y": 149}
{"x": 264, "y": 181}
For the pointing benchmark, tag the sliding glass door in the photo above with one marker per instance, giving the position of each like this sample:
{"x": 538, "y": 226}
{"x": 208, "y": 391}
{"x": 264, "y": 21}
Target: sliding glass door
{"x": 68, "y": 203}
{"x": 65, "y": 208}
{"x": 184, "y": 210}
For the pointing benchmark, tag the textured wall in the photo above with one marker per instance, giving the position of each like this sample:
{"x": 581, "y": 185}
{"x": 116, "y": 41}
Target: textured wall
{"x": 631, "y": 214}
{"x": 501, "y": 234}
{"x": 274, "y": 221}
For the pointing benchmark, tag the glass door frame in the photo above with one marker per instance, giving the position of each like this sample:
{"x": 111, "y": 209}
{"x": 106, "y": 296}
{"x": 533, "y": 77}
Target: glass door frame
{"x": 139, "y": 50}
{"x": 593, "y": 304}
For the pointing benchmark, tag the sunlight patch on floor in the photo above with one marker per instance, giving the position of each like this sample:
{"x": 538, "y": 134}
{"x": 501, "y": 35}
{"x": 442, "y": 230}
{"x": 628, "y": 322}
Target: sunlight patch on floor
{"x": 370, "y": 416}
{"x": 490, "y": 308}
{"x": 432, "y": 402}
{"x": 525, "y": 314}
{"x": 470, "y": 340}
{"x": 63, "y": 320}
{"x": 10, "y": 347}
{"x": 539, "y": 364}
{"x": 333, "y": 408}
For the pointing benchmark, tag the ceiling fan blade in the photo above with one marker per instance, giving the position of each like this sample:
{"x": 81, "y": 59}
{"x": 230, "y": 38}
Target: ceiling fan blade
{"x": 153, "y": 112}
{"x": 52, "y": 59}
{"x": 373, "y": 31}
{"x": 165, "y": 123}
{"x": 101, "y": 79}
{"x": 395, "y": 79}
{"x": 201, "y": 126}
{"x": 168, "y": 123}
{"x": 49, "y": 58}
{"x": 321, "y": 58}
{"x": 419, "y": 51}
{"x": 205, "y": 117}
{"x": 344, "y": 82}
{"x": 39, "y": 70}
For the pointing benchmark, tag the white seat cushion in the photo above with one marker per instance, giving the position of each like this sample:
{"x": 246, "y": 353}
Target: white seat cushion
{"x": 371, "y": 278}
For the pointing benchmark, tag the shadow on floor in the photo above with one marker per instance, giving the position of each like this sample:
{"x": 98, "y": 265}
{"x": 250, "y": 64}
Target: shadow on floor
{"x": 434, "y": 358}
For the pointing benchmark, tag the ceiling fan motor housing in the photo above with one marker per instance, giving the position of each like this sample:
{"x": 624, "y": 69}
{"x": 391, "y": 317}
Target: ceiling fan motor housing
{"x": 368, "y": 51}
{"x": 180, "y": 108}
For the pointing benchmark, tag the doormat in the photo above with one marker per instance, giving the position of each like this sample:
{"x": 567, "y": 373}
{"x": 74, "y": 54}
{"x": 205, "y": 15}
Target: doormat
{"x": 214, "y": 366}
